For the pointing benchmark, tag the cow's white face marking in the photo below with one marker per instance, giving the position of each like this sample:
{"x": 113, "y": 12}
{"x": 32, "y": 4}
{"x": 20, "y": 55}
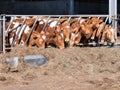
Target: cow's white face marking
{"x": 11, "y": 39}
{"x": 44, "y": 37}
{"x": 67, "y": 26}
{"x": 112, "y": 30}
{"x": 82, "y": 20}
{"x": 22, "y": 42}
{"x": 41, "y": 22}
{"x": 45, "y": 20}
{"x": 62, "y": 35}
{"x": 27, "y": 29}
{"x": 76, "y": 35}
{"x": 53, "y": 24}
{"x": 72, "y": 34}
{"x": 15, "y": 24}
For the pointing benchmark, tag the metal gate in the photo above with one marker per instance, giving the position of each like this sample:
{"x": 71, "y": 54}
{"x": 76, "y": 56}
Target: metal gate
{"x": 4, "y": 18}
{"x": 2, "y": 36}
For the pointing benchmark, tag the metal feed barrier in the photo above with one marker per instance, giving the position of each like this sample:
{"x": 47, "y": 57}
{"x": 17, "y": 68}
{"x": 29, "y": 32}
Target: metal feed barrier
{"x": 4, "y": 32}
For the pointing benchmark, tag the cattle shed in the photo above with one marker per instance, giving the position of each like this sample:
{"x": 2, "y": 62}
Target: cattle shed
{"x": 57, "y": 7}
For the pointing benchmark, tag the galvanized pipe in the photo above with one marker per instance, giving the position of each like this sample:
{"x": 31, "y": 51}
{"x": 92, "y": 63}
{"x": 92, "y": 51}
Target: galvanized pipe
{"x": 1, "y": 35}
{"x": 10, "y": 24}
{"x": 4, "y": 32}
{"x": 46, "y": 23}
{"x": 103, "y": 28}
{"x": 79, "y": 19}
{"x": 68, "y": 20}
{"x": 18, "y": 31}
{"x": 26, "y": 41}
{"x": 62, "y": 15}
{"x": 57, "y": 22}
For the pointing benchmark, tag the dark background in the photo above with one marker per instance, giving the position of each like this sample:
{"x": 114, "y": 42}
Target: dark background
{"x": 54, "y": 7}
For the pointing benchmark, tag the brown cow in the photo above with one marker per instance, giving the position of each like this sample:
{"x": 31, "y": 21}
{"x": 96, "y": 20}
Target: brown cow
{"x": 54, "y": 36}
{"x": 108, "y": 34}
{"x": 37, "y": 39}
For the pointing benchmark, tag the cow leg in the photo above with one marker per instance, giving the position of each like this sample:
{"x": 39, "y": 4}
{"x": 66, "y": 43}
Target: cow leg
{"x": 93, "y": 34}
{"x": 103, "y": 37}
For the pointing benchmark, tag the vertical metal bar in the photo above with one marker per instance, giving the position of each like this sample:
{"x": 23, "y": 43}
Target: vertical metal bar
{"x": 31, "y": 31}
{"x": 115, "y": 21}
{"x": 79, "y": 19}
{"x": 102, "y": 28}
{"x": 71, "y": 9}
{"x": 57, "y": 22}
{"x": 46, "y": 23}
{"x": 18, "y": 31}
{"x": 106, "y": 20}
{"x": 12, "y": 18}
{"x": 113, "y": 14}
{"x": 68, "y": 20}
{"x": 4, "y": 33}
{"x": 112, "y": 9}
{"x": 1, "y": 37}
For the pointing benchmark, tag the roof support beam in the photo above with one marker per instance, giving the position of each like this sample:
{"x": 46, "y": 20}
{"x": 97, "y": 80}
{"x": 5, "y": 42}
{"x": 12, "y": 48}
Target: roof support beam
{"x": 71, "y": 9}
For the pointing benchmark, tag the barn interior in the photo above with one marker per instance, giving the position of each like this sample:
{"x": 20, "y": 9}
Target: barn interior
{"x": 53, "y": 7}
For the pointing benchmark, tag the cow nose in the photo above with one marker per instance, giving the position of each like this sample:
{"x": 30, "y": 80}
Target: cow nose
{"x": 87, "y": 32}
{"x": 66, "y": 40}
{"x": 113, "y": 41}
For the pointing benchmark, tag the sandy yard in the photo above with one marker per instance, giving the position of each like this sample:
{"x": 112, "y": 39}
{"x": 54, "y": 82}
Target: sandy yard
{"x": 77, "y": 68}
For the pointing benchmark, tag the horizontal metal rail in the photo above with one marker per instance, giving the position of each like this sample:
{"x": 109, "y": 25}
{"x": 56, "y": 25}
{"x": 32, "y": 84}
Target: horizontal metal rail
{"x": 62, "y": 15}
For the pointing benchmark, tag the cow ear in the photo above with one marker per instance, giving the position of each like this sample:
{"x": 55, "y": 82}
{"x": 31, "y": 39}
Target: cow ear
{"x": 44, "y": 37}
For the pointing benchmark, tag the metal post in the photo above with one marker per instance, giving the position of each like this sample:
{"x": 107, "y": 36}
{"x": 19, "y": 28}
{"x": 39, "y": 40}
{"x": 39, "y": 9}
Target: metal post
{"x": 3, "y": 33}
{"x": 68, "y": 20}
{"x": 79, "y": 19}
{"x": 16, "y": 35}
{"x": 113, "y": 15}
{"x": 26, "y": 41}
{"x": 71, "y": 9}
{"x": 46, "y": 23}
{"x": 112, "y": 9}
{"x": 1, "y": 41}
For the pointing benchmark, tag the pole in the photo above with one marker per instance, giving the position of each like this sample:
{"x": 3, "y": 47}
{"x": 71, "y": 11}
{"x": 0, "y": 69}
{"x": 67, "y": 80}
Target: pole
{"x": 3, "y": 32}
{"x": 1, "y": 41}
{"x": 113, "y": 15}
{"x": 71, "y": 9}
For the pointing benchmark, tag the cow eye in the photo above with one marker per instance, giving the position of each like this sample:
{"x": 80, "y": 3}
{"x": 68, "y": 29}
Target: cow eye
{"x": 34, "y": 37}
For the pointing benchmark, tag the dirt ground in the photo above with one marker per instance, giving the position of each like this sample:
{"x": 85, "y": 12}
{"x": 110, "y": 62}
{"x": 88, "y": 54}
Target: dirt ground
{"x": 77, "y": 68}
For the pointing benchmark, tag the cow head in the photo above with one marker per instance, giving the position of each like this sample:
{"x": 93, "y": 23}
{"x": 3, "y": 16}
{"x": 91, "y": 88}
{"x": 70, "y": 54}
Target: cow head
{"x": 100, "y": 28}
{"x": 66, "y": 31}
{"x": 37, "y": 39}
{"x": 86, "y": 30}
{"x": 59, "y": 40}
{"x": 75, "y": 36}
{"x": 109, "y": 34}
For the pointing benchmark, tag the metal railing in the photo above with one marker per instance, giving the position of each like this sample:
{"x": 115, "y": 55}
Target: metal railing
{"x": 2, "y": 33}
{"x": 3, "y": 18}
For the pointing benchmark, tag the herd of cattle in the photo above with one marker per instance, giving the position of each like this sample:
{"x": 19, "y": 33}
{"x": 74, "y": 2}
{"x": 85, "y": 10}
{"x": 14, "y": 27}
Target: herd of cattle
{"x": 57, "y": 32}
